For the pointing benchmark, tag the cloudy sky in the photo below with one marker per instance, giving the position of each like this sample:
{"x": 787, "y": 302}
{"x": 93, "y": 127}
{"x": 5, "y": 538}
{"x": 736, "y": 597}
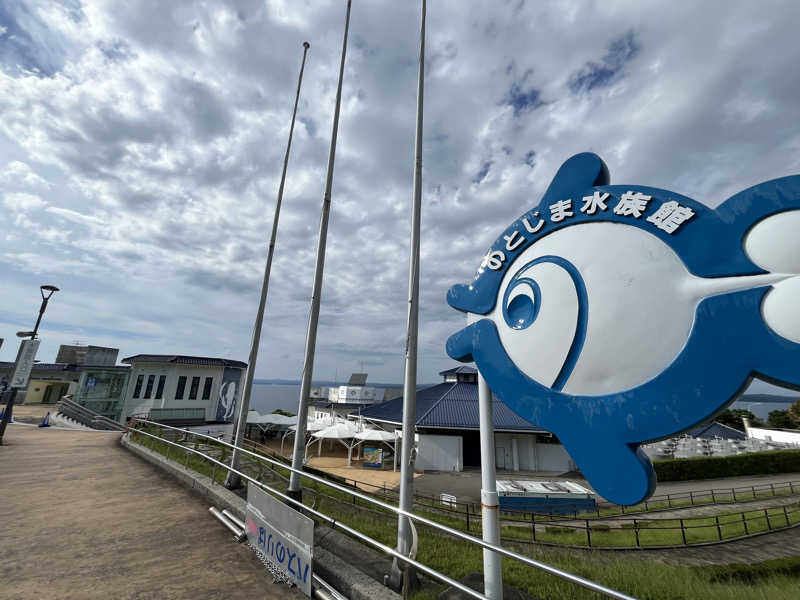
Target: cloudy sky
{"x": 141, "y": 144}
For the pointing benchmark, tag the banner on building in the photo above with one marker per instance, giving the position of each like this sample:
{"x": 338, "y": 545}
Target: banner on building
{"x": 228, "y": 394}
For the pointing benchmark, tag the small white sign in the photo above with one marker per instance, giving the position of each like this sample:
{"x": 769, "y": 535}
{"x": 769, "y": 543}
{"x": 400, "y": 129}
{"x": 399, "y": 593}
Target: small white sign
{"x": 27, "y": 355}
{"x": 281, "y": 536}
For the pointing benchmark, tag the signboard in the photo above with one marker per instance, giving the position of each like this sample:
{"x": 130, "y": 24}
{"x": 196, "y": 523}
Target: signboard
{"x": 281, "y": 536}
{"x": 228, "y": 394}
{"x": 25, "y": 362}
{"x": 373, "y": 457}
{"x": 612, "y": 315}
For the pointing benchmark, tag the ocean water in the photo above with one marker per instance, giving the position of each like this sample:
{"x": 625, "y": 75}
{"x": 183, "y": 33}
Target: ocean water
{"x": 762, "y": 409}
{"x": 266, "y": 397}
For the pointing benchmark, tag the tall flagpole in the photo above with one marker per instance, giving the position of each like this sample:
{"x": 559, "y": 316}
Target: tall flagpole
{"x": 410, "y": 378}
{"x": 233, "y": 480}
{"x": 295, "y": 490}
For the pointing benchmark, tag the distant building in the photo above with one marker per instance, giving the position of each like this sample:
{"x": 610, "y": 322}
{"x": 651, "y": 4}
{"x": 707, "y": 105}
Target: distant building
{"x": 355, "y": 392}
{"x": 87, "y": 355}
{"x": 447, "y": 428}
{"x": 343, "y": 400}
{"x": 183, "y": 388}
{"x": 98, "y": 387}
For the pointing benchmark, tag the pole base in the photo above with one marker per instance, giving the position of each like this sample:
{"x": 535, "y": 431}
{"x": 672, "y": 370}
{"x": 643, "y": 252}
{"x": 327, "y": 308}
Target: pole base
{"x": 295, "y": 495}
{"x": 401, "y": 579}
{"x": 232, "y": 481}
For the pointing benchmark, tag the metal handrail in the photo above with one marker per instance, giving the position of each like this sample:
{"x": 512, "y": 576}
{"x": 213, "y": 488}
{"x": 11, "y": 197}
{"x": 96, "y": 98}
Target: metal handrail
{"x": 591, "y": 585}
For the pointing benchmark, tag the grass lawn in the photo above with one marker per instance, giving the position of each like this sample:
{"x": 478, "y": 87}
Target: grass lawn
{"x": 641, "y": 578}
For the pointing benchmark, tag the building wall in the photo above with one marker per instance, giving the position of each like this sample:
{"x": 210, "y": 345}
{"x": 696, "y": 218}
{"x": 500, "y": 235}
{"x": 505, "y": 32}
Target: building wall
{"x": 774, "y": 435}
{"x": 140, "y": 405}
{"x": 440, "y": 453}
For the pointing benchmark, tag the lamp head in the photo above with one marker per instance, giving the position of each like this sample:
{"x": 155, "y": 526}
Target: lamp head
{"x": 48, "y": 288}
{"x": 22, "y": 334}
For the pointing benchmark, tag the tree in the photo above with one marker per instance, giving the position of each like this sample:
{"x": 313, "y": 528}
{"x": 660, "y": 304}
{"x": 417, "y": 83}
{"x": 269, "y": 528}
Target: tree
{"x": 733, "y": 418}
{"x": 780, "y": 419}
{"x": 794, "y": 413}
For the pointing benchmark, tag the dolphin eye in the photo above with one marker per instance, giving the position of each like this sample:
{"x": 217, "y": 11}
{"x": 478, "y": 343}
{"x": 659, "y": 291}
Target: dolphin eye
{"x": 523, "y": 308}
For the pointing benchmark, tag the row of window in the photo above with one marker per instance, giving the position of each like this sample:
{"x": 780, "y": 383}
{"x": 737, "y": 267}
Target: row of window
{"x": 179, "y": 392}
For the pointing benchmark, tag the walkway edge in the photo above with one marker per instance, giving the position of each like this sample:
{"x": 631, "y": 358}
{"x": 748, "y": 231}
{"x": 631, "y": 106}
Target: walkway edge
{"x": 346, "y": 578}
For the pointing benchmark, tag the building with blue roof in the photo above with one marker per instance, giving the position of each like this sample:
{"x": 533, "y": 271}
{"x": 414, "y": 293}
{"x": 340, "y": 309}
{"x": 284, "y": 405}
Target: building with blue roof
{"x": 447, "y": 426}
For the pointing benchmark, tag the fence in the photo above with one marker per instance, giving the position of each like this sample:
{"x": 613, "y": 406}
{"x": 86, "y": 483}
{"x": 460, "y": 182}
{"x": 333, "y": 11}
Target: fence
{"x": 187, "y": 449}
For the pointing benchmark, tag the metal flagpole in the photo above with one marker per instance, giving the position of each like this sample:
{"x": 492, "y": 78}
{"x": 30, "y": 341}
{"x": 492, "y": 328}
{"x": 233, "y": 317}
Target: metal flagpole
{"x": 233, "y": 480}
{"x": 492, "y": 562}
{"x": 295, "y": 490}
{"x": 410, "y": 378}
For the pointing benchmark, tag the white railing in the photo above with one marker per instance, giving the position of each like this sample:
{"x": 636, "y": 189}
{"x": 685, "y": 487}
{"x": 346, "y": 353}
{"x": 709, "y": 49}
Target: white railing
{"x": 591, "y": 585}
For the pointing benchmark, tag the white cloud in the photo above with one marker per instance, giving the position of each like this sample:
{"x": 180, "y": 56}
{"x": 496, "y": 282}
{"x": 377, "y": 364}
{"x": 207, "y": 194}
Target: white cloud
{"x": 158, "y": 142}
{"x": 22, "y": 201}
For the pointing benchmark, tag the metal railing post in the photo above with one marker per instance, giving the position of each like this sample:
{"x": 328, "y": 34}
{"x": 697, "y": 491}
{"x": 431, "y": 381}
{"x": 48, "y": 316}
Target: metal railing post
{"x": 766, "y": 516}
{"x": 719, "y": 529}
{"x": 636, "y": 531}
{"x": 533, "y": 526}
{"x": 683, "y": 532}
{"x": 733, "y": 494}
{"x": 744, "y": 522}
{"x": 786, "y": 515}
{"x": 588, "y": 534}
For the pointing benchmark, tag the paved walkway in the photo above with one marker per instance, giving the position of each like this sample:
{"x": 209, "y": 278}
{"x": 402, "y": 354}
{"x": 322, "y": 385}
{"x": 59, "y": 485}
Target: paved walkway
{"x": 81, "y": 518}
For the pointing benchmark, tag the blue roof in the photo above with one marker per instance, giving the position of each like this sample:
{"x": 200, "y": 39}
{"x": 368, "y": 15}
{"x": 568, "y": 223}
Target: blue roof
{"x": 450, "y": 405}
{"x": 714, "y": 429}
{"x": 459, "y": 370}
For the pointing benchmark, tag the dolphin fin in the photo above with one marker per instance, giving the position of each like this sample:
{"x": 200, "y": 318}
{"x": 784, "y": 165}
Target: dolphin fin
{"x": 578, "y": 172}
{"x": 620, "y": 473}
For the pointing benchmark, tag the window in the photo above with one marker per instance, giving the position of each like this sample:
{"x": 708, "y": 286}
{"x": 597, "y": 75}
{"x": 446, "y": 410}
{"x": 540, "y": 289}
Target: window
{"x": 149, "y": 389}
{"x": 160, "y": 389}
{"x": 193, "y": 389}
{"x": 207, "y": 388}
{"x": 181, "y": 387}
{"x": 138, "y": 389}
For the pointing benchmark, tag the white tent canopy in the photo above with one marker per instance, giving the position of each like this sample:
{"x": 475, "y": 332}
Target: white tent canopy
{"x": 313, "y": 426}
{"x": 374, "y": 435}
{"x": 255, "y": 418}
{"x": 337, "y": 431}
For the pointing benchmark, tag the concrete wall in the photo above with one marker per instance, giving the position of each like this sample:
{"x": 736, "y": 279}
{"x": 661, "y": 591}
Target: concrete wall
{"x": 553, "y": 457}
{"x": 440, "y": 453}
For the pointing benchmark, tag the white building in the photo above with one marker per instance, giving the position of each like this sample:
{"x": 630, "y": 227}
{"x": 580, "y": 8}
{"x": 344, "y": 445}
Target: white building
{"x": 183, "y": 388}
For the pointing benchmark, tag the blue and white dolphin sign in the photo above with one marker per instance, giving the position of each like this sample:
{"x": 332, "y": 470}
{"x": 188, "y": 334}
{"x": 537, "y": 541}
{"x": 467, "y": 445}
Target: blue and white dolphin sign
{"x": 613, "y": 315}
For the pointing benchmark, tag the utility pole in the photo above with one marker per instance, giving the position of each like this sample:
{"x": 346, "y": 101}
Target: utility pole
{"x": 406, "y": 500}
{"x": 233, "y": 481}
{"x": 295, "y": 489}
{"x": 25, "y": 358}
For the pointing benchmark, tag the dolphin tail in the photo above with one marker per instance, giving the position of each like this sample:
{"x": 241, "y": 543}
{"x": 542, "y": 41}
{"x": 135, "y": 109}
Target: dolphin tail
{"x": 766, "y": 217}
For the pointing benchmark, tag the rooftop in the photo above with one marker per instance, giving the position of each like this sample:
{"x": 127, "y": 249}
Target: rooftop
{"x": 177, "y": 359}
{"x": 452, "y": 406}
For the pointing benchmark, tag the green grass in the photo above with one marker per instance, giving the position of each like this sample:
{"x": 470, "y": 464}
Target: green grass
{"x": 773, "y": 580}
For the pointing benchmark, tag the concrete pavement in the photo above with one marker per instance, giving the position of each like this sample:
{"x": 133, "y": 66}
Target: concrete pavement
{"x": 82, "y": 518}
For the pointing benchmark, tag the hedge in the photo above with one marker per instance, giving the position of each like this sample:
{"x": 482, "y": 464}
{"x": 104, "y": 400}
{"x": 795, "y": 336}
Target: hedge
{"x": 711, "y": 467}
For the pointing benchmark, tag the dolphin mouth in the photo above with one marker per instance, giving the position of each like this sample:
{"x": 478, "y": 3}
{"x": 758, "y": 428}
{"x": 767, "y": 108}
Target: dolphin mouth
{"x": 460, "y": 345}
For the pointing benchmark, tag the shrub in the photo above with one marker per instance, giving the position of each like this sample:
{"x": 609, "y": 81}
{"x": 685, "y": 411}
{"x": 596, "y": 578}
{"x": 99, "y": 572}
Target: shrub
{"x": 710, "y": 467}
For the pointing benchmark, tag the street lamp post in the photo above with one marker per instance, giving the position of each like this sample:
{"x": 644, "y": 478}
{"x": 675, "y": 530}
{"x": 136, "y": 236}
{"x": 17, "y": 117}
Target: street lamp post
{"x": 47, "y": 291}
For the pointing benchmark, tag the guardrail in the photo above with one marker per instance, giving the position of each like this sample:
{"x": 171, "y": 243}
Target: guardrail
{"x": 530, "y": 562}
{"x": 86, "y": 416}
